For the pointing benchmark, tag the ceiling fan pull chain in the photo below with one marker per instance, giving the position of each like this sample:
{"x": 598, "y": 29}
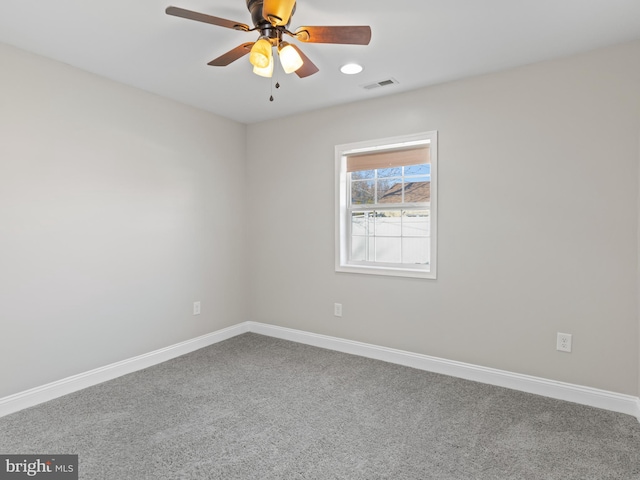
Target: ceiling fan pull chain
{"x": 277, "y": 70}
{"x": 271, "y": 97}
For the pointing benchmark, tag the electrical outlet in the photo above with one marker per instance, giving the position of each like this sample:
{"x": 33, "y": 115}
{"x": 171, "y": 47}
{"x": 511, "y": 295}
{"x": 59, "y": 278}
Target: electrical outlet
{"x": 337, "y": 309}
{"x": 196, "y": 308}
{"x": 563, "y": 342}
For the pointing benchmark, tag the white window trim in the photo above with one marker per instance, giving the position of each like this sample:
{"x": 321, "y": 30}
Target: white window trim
{"x": 342, "y": 240}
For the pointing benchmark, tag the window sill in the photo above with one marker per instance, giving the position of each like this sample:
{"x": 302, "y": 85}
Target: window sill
{"x": 386, "y": 271}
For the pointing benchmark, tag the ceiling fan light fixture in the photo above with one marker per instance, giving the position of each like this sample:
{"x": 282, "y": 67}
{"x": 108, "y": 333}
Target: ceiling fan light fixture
{"x": 351, "y": 68}
{"x": 271, "y": 18}
{"x": 266, "y": 71}
{"x": 260, "y": 55}
{"x": 289, "y": 58}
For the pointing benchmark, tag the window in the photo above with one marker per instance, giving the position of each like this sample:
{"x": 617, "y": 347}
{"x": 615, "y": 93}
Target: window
{"x": 386, "y": 206}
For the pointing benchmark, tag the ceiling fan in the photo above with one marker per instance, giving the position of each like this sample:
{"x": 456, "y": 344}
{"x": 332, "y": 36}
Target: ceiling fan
{"x": 271, "y": 18}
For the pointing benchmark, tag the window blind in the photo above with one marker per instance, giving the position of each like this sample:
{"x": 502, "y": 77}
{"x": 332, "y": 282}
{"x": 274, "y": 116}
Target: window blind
{"x": 391, "y": 158}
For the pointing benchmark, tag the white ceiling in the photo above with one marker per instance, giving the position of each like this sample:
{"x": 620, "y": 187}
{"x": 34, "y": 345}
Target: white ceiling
{"x": 417, "y": 42}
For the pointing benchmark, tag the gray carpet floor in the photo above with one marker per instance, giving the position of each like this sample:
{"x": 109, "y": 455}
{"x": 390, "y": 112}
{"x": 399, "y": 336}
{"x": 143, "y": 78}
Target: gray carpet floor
{"x": 255, "y": 407}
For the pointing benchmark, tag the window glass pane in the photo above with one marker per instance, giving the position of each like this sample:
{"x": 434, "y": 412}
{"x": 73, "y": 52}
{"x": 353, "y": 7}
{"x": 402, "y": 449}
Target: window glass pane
{"x": 424, "y": 169}
{"x": 390, "y": 191}
{"x": 416, "y": 250}
{"x": 358, "y": 248}
{"x": 359, "y": 223}
{"x": 371, "y": 249}
{"x": 363, "y": 174}
{"x": 417, "y": 189}
{"x": 417, "y": 179}
{"x": 388, "y": 224}
{"x": 388, "y": 250}
{"x": 362, "y": 192}
{"x": 390, "y": 172}
{"x": 415, "y": 223}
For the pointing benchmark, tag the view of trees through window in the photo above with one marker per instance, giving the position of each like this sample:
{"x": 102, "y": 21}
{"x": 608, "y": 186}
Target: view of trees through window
{"x": 407, "y": 184}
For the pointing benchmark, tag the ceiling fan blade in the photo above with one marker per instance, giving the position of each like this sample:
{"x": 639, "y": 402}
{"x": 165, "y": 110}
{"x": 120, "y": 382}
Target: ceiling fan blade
{"x": 201, "y": 17}
{"x": 232, "y": 55}
{"x": 278, "y": 12}
{"x": 356, "y": 35}
{"x": 307, "y": 68}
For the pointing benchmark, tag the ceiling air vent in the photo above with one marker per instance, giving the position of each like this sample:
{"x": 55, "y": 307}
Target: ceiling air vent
{"x": 382, "y": 83}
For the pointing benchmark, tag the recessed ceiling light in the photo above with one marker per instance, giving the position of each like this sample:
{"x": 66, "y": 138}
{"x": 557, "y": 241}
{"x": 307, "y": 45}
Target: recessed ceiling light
{"x": 351, "y": 68}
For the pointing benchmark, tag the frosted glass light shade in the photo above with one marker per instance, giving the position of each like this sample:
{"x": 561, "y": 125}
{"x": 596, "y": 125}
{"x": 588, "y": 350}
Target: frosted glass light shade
{"x": 260, "y": 55}
{"x": 289, "y": 58}
{"x": 266, "y": 71}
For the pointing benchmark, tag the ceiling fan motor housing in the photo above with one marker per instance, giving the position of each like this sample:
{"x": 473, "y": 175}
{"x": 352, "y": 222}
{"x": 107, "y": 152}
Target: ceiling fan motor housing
{"x": 274, "y": 33}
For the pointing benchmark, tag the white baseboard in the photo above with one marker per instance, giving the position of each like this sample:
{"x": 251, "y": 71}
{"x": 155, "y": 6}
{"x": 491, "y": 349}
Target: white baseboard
{"x": 44, "y": 393}
{"x": 550, "y": 388}
{"x": 593, "y": 397}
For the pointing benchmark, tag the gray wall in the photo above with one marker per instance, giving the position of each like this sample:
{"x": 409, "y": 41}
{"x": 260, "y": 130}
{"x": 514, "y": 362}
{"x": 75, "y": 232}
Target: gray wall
{"x": 118, "y": 209}
{"x": 538, "y": 222}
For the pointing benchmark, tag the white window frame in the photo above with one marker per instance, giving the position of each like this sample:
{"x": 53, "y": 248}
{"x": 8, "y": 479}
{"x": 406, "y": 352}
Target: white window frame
{"x": 342, "y": 215}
